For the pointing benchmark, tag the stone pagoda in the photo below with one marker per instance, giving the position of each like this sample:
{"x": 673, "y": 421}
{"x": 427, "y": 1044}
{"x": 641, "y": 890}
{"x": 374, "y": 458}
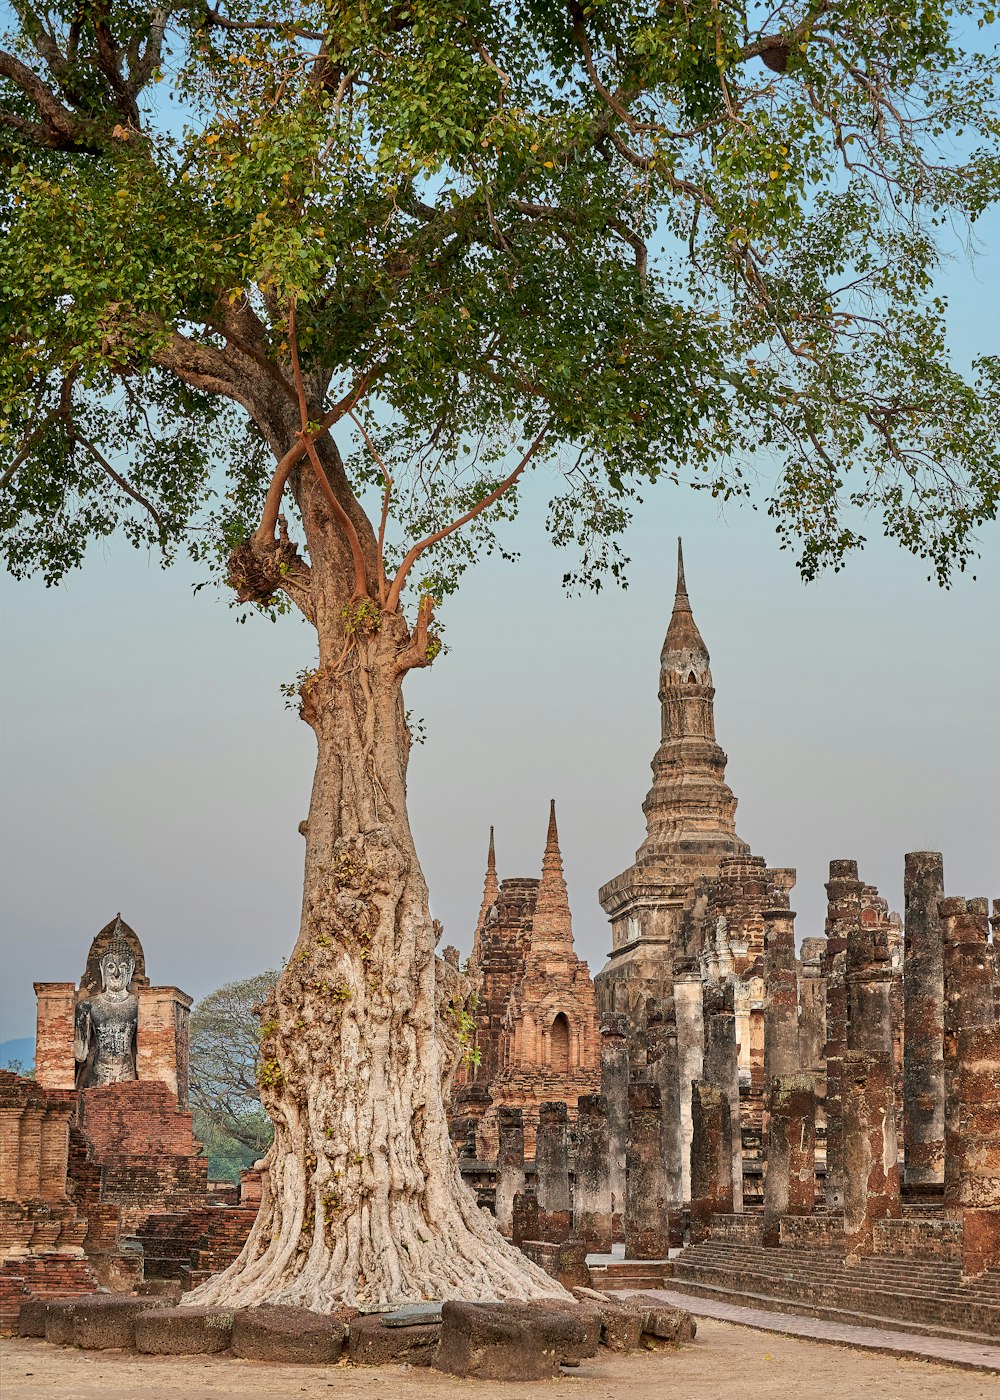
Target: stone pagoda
{"x": 690, "y": 823}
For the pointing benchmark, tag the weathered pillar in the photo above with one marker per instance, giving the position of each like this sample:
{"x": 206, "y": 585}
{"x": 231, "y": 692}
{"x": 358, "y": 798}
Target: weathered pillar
{"x": 54, "y": 1154}
{"x": 979, "y": 1160}
{"x": 662, "y": 1070}
{"x": 690, "y": 1052}
{"x": 722, "y": 1070}
{"x": 869, "y": 991}
{"x": 871, "y": 1166}
{"x": 923, "y": 1019}
{"x": 592, "y": 1182}
{"x": 510, "y": 1164}
{"x": 790, "y": 1183}
{"x": 711, "y": 1158}
{"x": 162, "y": 1038}
{"x": 843, "y": 908}
{"x": 968, "y": 983}
{"x": 29, "y": 1156}
{"x": 525, "y": 1219}
{"x": 10, "y": 1148}
{"x": 552, "y": 1173}
{"x": 55, "y": 1067}
{"x": 647, "y": 1226}
{"x": 614, "y": 1091}
{"x": 781, "y": 989}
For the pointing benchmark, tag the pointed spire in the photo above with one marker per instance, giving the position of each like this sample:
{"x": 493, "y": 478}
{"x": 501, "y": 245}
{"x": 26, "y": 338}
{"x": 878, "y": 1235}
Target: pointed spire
{"x": 682, "y": 634}
{"x": 491, "y": 891}
{"x": 552, "y": 923}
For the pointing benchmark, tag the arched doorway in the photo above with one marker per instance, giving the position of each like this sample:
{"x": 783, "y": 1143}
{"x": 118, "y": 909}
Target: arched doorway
{"x": 559, "y": 1044}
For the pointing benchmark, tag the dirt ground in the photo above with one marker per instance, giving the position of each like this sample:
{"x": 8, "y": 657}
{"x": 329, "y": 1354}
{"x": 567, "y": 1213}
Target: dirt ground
{"x": 728, "y": 1362}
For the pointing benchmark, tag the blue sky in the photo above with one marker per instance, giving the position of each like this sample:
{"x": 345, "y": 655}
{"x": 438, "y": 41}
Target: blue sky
{"x": 149, "y": 763}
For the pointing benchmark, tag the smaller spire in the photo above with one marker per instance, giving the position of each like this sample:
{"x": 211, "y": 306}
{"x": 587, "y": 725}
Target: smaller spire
{"x": 552, "y": 924}
{"x": 491, "y": 887}
{"x": 681, "y": 585}
{"x": 682, "y": 634}
{"x": 491, "y": 891}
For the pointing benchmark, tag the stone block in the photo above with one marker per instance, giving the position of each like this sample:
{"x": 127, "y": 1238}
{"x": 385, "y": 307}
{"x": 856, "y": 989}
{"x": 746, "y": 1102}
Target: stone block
{"x": 183, "y": 1331}
{"x": 566, "y": 1262}
{"x": 31, "y": 1321}
{"x": 661, "y": 1323}
{"x": 295, "y": 1335}
{"x": 621, "y": 1322}
{"x": 513, "y": 1341}
{"x": 372, "y": 1343}
{"x": 59, "y": 1320}
{"x": 107, "y": 1322}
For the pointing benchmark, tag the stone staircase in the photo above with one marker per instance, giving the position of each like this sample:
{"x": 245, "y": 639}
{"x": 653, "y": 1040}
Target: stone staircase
{"x": 925, "y": 1297}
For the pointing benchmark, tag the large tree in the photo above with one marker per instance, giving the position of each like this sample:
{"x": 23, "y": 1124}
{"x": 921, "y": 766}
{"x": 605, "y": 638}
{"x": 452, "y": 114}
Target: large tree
{"x": 311, "y": 289}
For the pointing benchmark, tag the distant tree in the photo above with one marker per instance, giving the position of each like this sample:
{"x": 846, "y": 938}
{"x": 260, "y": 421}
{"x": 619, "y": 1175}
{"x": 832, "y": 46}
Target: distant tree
{"x": 311, "y": 289}
{"x": 224, "y": 1055}
{"x": 19, "y": 1067}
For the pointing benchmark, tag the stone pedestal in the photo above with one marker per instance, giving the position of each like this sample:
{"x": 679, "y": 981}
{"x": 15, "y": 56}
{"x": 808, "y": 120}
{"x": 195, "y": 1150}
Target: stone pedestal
{"x": 510, "y": 1166}
{"x": 871, "y": 1167}
{"x": 923, "y": 1013}
{"x": 552, "y": 1173}
{"x": 790, "y": 1183}
{"x": 647, "y": 1219}
{"x": 592, "y": 1184}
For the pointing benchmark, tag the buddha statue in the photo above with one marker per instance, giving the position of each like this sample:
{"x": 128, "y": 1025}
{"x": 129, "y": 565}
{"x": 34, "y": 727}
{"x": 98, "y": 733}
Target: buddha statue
{"x": 106, "y": 1023}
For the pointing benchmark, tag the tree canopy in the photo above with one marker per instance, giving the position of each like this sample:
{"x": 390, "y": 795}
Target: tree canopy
{"x": 631, "y": 241}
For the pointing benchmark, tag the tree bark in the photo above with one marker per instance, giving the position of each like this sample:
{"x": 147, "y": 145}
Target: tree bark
{"x": 362, "y": 1198}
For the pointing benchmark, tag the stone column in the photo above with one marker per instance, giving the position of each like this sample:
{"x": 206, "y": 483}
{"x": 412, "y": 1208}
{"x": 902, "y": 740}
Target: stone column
{"x": 843, "y": 909}
{"x": 781, "y": 988}
{"x": 525, "y": 1218}
{"x": 790, "y": 1183}
{"x": 690, "y": 1053}
{"x": 162, "y": 1039}
{"x": 29, "y": 1153}
{"x": 722, "y": 1070}
{"x": 647, "y": 1225}
{"x": 10, "y": 1149}
{"x": 662, "y": 1070}
{"x": 711, "y": 1158}
{"x": 552, "y": 1173}
{"x": 968, "y": 982}
{"x": 54, "y": 1154}
{"x": 923, "y": 1019}
{"x": 614, "y": 1091}
{"x": 510, "y": 1165}
{"x": 869, "y": 991}
{"x": 592, "y": 1182}
{"x": 979, "y": 1164}
{"x": 55, "y": 1067}
{"x": 871, "y": 1167}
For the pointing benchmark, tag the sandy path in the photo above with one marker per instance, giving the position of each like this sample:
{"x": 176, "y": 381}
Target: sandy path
{"x": 725, "y": 1363}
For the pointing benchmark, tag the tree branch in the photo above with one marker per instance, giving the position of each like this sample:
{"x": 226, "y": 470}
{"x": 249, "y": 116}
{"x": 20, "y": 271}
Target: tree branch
{"x": 129, "y": 490}
{"x": 392, "y": 602}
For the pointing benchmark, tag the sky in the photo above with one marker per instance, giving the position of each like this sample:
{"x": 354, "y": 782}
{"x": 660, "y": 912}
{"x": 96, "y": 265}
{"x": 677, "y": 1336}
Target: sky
{"x": 148, "y": 762}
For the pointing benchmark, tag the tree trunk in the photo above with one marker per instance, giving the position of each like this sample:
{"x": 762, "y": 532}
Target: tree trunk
{"x": 362, "y": 1199}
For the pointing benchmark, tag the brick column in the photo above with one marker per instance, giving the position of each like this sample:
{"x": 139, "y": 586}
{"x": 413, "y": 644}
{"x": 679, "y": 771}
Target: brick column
{"x": 690, "y": 1054}
{"x": 790, "y": 1183}
{"x": 871, "y": 1166}
{"x": 162, "y": 1039}
{"x": 979, "y": 1164}
{"x": 722, "y": 1070}
{"x": 711, "y": 1158}
{"x": 968, "y": 980}
{"x": 592, "y": 1183}
{"x": 869, "y": 991}
{"x": 647, "y": 1224}
{"x": 843, "y": 911}
{"x": 29, "y": 1153}
{"x": 614, "y": 1091}
{"x": 552, "y": 1173}
{"x": 10, "y": 1149}
{"x": 55, "y": 1067}
{"x": 54, "y": 1154}
{"x": 510, "y": 1164}
{"x": 923, "y": 1019}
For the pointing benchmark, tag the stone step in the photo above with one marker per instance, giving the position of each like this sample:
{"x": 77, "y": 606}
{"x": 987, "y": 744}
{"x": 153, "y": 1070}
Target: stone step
{"x": 944, "y": 1307}
{"x": 769, "y": 1303}
{"x": 877, "y": 1269}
